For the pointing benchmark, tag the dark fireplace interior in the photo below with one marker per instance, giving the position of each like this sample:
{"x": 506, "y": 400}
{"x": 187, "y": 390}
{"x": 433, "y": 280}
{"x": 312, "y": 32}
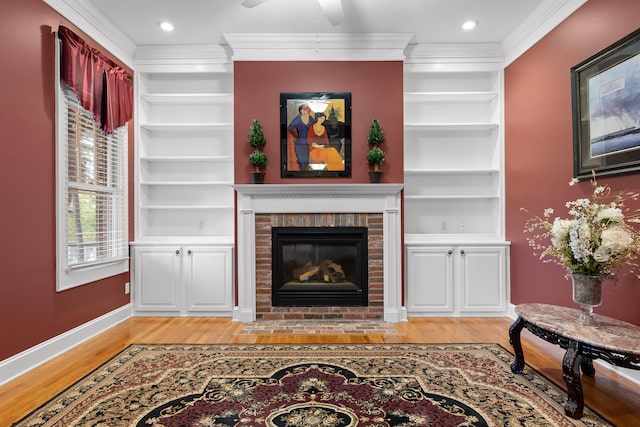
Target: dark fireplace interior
{"x": 319, "y": 266}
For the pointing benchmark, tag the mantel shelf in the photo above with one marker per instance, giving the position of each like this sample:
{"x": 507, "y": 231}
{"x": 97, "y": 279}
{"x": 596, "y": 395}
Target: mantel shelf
{"x": 306, "y": 190}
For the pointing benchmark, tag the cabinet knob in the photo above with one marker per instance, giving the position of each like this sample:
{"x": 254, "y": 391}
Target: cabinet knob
{"x": 461, "y": 251}
{"x": 449, "y": 252}
{"x": 177, "y": 251}
{"x": 189, "y": 252}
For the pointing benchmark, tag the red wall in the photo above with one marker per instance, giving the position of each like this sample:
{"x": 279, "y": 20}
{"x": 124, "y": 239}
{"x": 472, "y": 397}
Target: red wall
{"x": 376, "y": 91}
{"x": 539, "y": 149}
{"x": 31, "y": 311}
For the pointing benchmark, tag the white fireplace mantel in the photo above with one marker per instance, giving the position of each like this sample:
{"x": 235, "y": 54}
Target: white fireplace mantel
{"x": 319, "y": 198}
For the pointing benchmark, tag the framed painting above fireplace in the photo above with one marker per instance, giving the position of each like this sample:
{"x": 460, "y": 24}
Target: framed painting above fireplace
{"x": 315, "y": 134}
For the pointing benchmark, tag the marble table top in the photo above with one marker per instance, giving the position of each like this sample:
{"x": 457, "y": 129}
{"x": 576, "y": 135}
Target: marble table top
{"x": 608, "y": 333}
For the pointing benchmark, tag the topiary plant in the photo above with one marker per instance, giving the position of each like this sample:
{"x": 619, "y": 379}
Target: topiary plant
{"x": 375, "y": 157}
{"x": 376, "y": 136}
{"x": 256, "y": 135}
{"x": 258, "y": 159}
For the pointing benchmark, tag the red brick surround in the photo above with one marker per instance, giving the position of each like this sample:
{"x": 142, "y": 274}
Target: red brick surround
{"x": 264, "y": 223}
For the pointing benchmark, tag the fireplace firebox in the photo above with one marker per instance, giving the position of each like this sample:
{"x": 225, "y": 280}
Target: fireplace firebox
{"x": 319, "y": 266}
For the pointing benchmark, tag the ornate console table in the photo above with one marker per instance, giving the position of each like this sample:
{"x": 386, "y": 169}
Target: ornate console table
{"x": 611, "y": 340}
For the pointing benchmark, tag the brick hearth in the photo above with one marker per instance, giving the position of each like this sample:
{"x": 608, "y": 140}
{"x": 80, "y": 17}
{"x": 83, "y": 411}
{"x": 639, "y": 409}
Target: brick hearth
{"x": 374, "y": 224}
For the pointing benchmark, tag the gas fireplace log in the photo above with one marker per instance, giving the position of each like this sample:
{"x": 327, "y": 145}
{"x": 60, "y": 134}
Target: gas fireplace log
{"x": 335, "y": 271}
{"x": 328, "y": 271}
{"x": 325, "y": 273}
{"x": 309, "y": 273}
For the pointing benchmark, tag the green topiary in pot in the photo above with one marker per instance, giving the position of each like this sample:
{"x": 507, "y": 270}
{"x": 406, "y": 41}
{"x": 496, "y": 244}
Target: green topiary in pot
{"x": 257, "y": 158}
{"x": 375, "y": 156}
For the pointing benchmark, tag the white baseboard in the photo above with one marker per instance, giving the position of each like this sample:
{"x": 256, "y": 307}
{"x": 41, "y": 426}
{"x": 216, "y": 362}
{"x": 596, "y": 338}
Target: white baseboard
{"x": 25, "y": 361}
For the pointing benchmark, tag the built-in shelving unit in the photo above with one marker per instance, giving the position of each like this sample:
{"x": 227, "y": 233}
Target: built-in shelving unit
{"x": 182, "y": 255}
{"x": 185, "y": 155}
{"x": 456, "y": 256}
{"x": 453, "y": 155}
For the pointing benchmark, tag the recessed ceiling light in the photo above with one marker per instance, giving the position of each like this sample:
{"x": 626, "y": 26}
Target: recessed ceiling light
{"x": 165, "y": 25}
{"x": 469, "y": 25}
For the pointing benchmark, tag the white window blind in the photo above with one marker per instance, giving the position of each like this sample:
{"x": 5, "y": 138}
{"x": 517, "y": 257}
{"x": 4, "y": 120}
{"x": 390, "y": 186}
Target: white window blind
{"x": 92, "y": 230}
{"x": 96, "y": 178}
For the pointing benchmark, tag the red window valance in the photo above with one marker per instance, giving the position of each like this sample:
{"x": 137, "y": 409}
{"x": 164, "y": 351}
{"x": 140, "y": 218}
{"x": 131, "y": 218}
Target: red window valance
{"x": 102, "y": 86}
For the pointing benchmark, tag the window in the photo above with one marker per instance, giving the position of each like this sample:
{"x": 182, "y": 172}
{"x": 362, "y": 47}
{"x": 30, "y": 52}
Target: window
{"x": 91, "y": 193}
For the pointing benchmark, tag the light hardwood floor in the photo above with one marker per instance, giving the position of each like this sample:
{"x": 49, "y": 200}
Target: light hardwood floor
{"x": 613, "y": 396}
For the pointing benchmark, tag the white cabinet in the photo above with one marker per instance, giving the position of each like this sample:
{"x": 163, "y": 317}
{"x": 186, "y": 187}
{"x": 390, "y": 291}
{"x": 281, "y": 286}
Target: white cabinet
{"x": 456, "y": 280}
{"x": 184, "y": 155}
{"x": 454, "y": 190}
{"x": 182, "y": 280}
{"x": 453, "y": 154}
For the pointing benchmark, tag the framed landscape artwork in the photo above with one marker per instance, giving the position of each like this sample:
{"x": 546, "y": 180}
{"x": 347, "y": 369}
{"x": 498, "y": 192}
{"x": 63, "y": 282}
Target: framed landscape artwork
{"x": 315, "y": 134}
{"x": 606, "y": 110}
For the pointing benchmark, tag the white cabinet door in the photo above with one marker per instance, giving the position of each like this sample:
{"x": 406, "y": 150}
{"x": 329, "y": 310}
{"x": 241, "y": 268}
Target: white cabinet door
{"x": 429, "y": 280}
{"x": 208, "y": 279}
{"x": 456, "y": 280}
{"x": 482, "y": 279}
{"x": 157, "y": 275}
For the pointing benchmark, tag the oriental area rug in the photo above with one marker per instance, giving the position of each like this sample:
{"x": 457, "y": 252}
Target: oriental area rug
{"x": 323, "y": 385}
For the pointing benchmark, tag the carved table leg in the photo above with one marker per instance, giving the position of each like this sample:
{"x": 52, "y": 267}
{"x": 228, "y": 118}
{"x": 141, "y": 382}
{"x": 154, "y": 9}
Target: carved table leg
{"x": 514, "y": 339}
{"x": 587, "y": 367}
{"x": 571, "y": 374}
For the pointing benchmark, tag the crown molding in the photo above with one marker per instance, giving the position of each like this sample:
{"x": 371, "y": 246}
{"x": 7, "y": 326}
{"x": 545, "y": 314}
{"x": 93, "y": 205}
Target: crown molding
{"x": 205, "y": 57}
{"x": 452, "y": 53}
{"x": 91, "y": 21}
{"x": 318, "y": 47}
{"x": 538, "y": 24}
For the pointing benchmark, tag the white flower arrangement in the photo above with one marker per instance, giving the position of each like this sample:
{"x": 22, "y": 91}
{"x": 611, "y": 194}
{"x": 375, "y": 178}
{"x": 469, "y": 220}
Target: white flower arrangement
{"x": 600, "y": 236}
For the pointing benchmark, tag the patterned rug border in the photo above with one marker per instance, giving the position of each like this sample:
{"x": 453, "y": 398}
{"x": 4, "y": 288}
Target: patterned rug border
{"x": 501, "y": 351}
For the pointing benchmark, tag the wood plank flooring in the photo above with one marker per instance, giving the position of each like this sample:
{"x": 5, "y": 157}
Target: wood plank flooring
{"x": 613, "y": 396}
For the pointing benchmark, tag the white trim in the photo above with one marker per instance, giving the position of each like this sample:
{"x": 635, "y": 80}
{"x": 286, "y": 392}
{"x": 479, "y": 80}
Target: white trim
{"x": 90, "y": 20}
{"x": 205, "y": 57}
{"x": 538, "y": 24}
{"x": 318, "y": 47}
{"x": 455, "y": 53}
{"x": 19, "y": 364}
{"x": 313, "y": 198}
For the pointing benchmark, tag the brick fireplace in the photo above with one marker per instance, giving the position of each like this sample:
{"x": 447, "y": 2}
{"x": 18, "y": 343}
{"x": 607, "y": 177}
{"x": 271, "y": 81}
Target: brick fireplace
{"x": 264, "y": 268}
{"x": 374, "y": 206}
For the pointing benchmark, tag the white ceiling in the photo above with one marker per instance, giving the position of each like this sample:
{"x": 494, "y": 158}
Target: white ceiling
{"x": 204, "y": 21}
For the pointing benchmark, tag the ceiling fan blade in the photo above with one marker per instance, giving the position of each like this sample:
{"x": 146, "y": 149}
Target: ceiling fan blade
{"x": 333, "y": 10}
{"x": 252, "y": 3}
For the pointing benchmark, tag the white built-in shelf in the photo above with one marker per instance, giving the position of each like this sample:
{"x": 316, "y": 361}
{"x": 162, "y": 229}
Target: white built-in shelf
{"x": 450, "y": 171}
{"x": 426, "y": 127}
{"x": 188, "y": 207}
{"x": 186, "y": 126}
{"x": 453, "y": 155}
{"x": 480, "y": 96}
{"x": 187, "y": 158}
{"x": 188, "y": 98}
{"x": 450, "y": 197}
{"x": 188, "y": 183}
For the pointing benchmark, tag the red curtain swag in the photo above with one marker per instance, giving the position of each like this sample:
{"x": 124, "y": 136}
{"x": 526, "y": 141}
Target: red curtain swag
{"x": 102, "y": 87}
